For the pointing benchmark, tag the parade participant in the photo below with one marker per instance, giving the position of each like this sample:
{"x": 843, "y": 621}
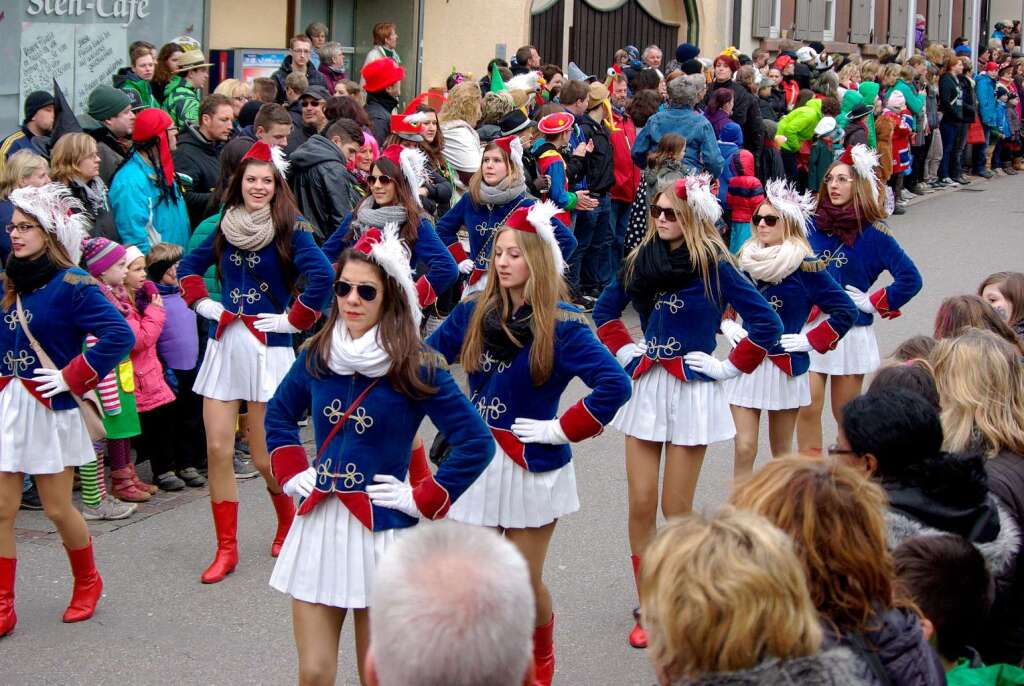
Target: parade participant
{"x": 521, "y": 344}
{"x": 848, "y": 237}
{"x": 555, "y": 130}
{"x": 261, "y": 248}
{"x": 392, "y": 200}
{"x": 49, "y": 306}
{"x": 495, "y": 192}
{"x": 368, "y": 381}
{"x": 419, "y": 130}
{"x": 680, "y": 279}
{"x": 784, "y": 268}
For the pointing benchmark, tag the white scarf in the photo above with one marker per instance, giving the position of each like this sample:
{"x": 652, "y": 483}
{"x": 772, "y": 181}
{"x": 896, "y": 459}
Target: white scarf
{"x": 771, "y": 264}
{"x": 362, "y": 355}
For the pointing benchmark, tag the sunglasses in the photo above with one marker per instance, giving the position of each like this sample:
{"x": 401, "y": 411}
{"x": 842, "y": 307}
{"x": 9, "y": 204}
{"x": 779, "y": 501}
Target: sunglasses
{"x": 769, "y": 219}
{"x": 366, "y": 291}
{"x": 384, "y": 180}
{"x": 656, "y": 211}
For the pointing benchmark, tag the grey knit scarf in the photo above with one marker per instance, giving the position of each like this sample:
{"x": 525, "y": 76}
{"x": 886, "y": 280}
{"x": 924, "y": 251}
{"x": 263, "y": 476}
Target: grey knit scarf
{"x": 367, "y": 216}
{"x": 503, "y": 193}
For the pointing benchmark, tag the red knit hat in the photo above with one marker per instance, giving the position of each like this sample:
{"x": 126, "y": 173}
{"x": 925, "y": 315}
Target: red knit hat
{"x": 379, "y": 74}
{"x": 783, "y": 61}
{"x": 153, "y": 123}
{"x": 556, "y": 122}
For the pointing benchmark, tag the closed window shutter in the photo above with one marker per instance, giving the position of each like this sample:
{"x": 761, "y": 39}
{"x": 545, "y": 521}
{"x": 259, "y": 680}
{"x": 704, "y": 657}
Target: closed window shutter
{"x": 803, "y": 20}
{"x": 816, "y": 30}
{"x": 762, "y": 18}
{"x": 965, "y": 30}
{"x": 898, "y": 22}
{"x": 860, "y": 21}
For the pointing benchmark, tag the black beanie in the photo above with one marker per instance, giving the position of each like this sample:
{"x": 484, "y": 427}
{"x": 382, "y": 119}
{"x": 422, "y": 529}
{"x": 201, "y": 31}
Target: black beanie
{"x": 691, "y": 67}
{"x": 36, "y": 101}
{"x": 247, "y": 115}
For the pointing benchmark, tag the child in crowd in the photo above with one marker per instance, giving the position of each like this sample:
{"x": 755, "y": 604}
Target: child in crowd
{"x": 743, "y": 194}
{"x": 1004, "y": 291}
{"x": 902, "y": 121}
{"x": 826, "y": 145}
{"x": 664, "y": 166}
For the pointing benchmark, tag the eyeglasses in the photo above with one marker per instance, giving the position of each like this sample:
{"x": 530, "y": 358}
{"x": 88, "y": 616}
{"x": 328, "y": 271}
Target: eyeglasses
{"x": 837, "y": 179}
{"x": 834, "y": 449}
{"x": 241, "y": 98}
{"x": 768, "y": 219}
{"x": 366, "y": 291}
{"x": 656, "y": 211}
{"x": 383, "y": 179}
{"x": 20, "y": 228}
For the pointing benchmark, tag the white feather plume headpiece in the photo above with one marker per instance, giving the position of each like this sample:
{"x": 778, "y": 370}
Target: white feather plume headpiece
{"x": 797, "y": 207}
{"x": 414, "y": 167}
{"x": 419, "y": 118}
{"x": 695, "y": 189}
{"x": 57, "y": 211}
{"x": 864, "y": 160}
{"x": 529, "y": 82}
{"x": 279, "y": 160}
{"x": 384, "y": 247}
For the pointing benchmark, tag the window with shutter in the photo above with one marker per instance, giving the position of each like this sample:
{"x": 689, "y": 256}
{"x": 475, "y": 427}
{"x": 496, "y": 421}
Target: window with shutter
{"x": 803, "y": 20}
{"x": 763, "y": 16}
{"x": 860, "y": 21}
{"x": 898, "y": 22}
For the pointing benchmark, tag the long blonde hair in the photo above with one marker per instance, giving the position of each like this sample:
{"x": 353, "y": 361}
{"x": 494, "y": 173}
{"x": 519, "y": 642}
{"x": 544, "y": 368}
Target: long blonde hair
{"x": 543, "y": 291}
{"x": 463, "y": 104}
{"x": 724, "y": 593}
{"x": 981, "y": 387}
{"x": 514, "y": 175}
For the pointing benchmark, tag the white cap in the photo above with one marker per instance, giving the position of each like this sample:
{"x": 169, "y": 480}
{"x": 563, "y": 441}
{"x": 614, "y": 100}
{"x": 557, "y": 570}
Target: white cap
{"x": 825, "y": 125}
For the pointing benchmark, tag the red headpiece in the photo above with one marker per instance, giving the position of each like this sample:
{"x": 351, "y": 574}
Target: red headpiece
{"x": 407, "y": 126}
{"x": 431, "y": 99}
{"x": 384, "y": 247}
{"x": 153, "y": 123}
{"x": 536, "y": 219}
{"x": 270, "y": 154}
{"x": 556, "y": 122}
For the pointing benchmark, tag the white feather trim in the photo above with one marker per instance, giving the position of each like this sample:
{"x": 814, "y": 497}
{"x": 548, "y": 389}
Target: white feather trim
{"x": 540, "y": 216}
{"x": 784, "y": 198}
{"x": 418, "y": 118}
{"x": 59, "y": 212}
{"x": 864, "y": 162}
{"x": 700, "y": 198}
{"x": 280, "y": 160}
{"x": 516, "y": 146}
{"x": 393, "y": 257}
{"x": 414, "y": 167}
{"x": 528, "y": 82}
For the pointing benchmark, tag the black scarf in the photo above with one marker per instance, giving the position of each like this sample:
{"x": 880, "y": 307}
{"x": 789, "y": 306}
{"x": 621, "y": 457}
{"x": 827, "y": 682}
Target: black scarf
{"x": 386, "y": 101}
{"x": 497, "y": 340}
{"x": 28, "y": 275}
{"x": 656, "y": 270}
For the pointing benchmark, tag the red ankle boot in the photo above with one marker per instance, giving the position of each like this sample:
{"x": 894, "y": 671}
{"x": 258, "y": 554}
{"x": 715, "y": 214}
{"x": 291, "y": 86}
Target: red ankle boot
{"x": 544, "y": 653}
{"x": 225, "y": 522}
{"x": 152, "y": 489}
{"x": 7, "y": 616}
{"x": 637, "y": 637}
{"x": 88, "y": 584}
{"x": 285, "y": 508}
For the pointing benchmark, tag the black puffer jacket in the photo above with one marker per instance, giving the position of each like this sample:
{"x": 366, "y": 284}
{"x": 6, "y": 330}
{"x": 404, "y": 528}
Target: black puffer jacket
{"x": 199, "y": 159}
{"x": 324, "y": 187}
{"x": 1004, "y": 642}
{"x": 745, "y": 111}
{"x": 598, "y": 166}
{"x": 834, "y": 667}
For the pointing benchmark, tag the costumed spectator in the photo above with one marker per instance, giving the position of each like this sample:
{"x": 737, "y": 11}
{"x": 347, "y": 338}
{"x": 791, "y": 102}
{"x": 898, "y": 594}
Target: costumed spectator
{"x": 680, "y": 118}
{"x": 1004, "y": 291}
{"x": 440, "y": 186}
{"x": 825, "y": 147}
{"x": 27, "y": 169}
{"x": 114, "y": 121}
{"x": 332, "y": 66}
{"x": 902, "y": 121}
{"x": 383, "y": 83}
{"x": 324, "y": 188}
{"x": 38, "y": 121}
{"x": 166, "y": 64}
{"x": 788, "y": 86}
{"x": 138, "y": 75}
{"x": 856, "y": 131}
{"x": 185, "y": 89}
{"x": 458, "y": 118}
{"x": 300, "y": 49}
{"x": 145, "y": 196}
{"x": 869, "y": 92}
{"x": 797, "y": 128}
{"x": 385, "y": 42}
{"x": 197, "y": 154}
{"x": 76, "y": 164}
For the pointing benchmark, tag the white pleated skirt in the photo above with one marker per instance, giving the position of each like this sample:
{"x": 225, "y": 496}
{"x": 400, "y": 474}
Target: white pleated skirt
{"x": 329, "y": 557}
{"x": 239, "y": 367}
{"x": 37, "y": 440}
{"x": 667, "y": 410}
{"x": 511, "y": 497}
{"x": 768, "y": 388}
{"x": 856, "y": 353}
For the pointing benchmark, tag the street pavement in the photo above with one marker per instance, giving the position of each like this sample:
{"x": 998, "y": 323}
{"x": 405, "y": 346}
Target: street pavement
{"x": 156, "y": 624}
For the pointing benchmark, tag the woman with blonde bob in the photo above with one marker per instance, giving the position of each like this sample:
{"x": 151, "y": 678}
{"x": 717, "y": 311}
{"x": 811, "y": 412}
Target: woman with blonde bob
{"x": 76, "y": 164}
{"x": 836, "y": 518}
{"x": 521, "y": 345}
{"x": 23, "y": 168}
{"x": 239, "y": 91}
{"x": 725, "y": 601}
{"x": 458, "y": 118}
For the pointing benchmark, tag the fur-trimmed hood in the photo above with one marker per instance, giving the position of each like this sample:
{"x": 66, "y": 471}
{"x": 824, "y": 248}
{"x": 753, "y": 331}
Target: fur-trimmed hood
{"x": 832, "y": 667}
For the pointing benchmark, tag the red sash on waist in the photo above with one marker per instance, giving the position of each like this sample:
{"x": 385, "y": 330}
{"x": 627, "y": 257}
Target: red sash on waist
{"x": 476, "y": 275}
{"x": 510, "y": 445}
{"x": 783, "y": 362}
{"x": 357, "y": 502}
{"x": 673, "y": 365}
{"x": 248, "y": 319}
{"x": 31, "y": 386}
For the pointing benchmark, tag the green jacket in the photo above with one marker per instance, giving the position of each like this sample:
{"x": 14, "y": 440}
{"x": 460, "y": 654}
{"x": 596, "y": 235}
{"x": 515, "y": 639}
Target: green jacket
{"x": 991, "y": 675}
{"x": 851, "y": 99}
{"x": 202, "y": 232}
{"x": 869, "y": 91}
{"x": 126, "y": 79}
{"x": 798, "y": 125}
{"x": 915, "y": 101}
{"x": 181, "y": 101}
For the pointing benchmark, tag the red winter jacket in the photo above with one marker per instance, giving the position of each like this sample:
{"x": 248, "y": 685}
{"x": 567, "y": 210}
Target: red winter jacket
{"x": 627, "y": 174}
{"x": 745, "y": 191}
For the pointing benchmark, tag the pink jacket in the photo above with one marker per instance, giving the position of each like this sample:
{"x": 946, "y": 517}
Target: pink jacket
{"x": 151, "y": 389}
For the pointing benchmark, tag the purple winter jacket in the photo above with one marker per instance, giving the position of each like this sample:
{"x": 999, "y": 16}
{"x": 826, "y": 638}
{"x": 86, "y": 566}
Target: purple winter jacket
{"x": 178, "y": 344}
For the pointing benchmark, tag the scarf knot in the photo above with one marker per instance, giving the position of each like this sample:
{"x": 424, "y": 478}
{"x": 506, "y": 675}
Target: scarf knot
{"x": 502, "y": 193}
{"x": 368, "y": 216}
{"x": 363, "y": 355}
{"x": 771, "y": 263}
{"x": 843, "y": 222}
{"x": 248, "y": 230}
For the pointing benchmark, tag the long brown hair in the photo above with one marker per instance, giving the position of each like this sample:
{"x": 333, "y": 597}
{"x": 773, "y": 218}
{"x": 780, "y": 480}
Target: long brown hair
{"x": 283, "y": 212}
{"x": 868, "y": 209}
{"x": 1011, "y": 286}
{"x": 513, "y": 174}
{"x": 958, "y": 313}
{"x": 162, "y": 74}
{"x": 543, "y": 290}
{"x": 410, "y": 230}
{"x": 52, "y": 247}
{"x": 397, "y": 334}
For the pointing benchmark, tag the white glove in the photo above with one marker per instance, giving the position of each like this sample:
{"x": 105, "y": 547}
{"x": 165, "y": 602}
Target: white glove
{"x": 209, "y": 308}
{"x": 539, "y": 431}
{"x": 795, "y": 343}
{"x": 711, "y": 366}
{"x": 630, "y": 352}
{"x": 466, "y": 266}
{"x": 51, "y": 382}
{"x": 302, "y": 484}
{"x": 392, "y": 493}
{"x": 861, "y": 300}
{"x": 268, "y": 322}
{"x": 732, "y": 331}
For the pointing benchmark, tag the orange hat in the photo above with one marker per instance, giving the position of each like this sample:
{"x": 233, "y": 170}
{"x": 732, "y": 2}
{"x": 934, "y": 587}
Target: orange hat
{"x": 556, "y": 122}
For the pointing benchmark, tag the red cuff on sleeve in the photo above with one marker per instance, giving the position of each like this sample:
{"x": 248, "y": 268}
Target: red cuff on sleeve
{"x": 193, "y": 288}
{"x": 458, "y": 252}
{"x": 614, "y": 335}
{"x": 431, "y": 499}
{"x": 302, "y": 317}
{"x": 419, "y": 470}
{"x": 578, "y": 423}
{"x": 287, "y": 461}
{"x": 80, "y": 376}
{"x": 823, "y": 337}
{"x": 747, "y": 355}
{"x": 425, "y": 292}
{"x": 880, "y": 299}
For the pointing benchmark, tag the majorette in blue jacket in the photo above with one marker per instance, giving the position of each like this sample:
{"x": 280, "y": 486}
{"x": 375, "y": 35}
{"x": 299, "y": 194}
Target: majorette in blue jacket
{"x": 376, "y": 439}
{"x": 59, "y": 315}
{"x": 687, "y": 320}
{"x": 428, "y": 249}
{"x": 252, "y": 281}
{"x": 793, "y": 298}
{"x": 481, "y": 221}
{"x": 860, "y": 264}
{"x": 504, "y": 392}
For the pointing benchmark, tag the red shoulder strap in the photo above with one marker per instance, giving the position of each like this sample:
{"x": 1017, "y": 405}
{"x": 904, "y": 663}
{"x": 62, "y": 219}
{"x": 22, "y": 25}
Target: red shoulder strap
{"x": 341, "y": 422}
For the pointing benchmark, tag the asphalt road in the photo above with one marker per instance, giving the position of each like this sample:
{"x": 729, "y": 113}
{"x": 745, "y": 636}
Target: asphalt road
{"x": 157, "y": 624}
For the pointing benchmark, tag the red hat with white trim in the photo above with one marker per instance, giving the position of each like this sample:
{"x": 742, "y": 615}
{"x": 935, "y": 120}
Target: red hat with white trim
{"x": 431, "y": 99}
{"x": 536, "y": 219}
{"x": 270, "y": 154}
{"x": 514, "y": 147}
{"x": 408, "y": 126}
{"x": 384, "y": 247}
{"x": 863, "y": 161}
{"x": 556, "y": 122}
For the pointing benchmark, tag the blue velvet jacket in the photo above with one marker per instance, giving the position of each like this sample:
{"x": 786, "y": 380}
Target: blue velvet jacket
{"x": 428, "y": 249}
{"x": 59, "y": 315}
{"x": 504, "y": 392}
{"x": 376, "y": 439}
{"x": 860, "y": 265}
{"x": 253, "y": 282}
{"x": 687, "y": 320}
